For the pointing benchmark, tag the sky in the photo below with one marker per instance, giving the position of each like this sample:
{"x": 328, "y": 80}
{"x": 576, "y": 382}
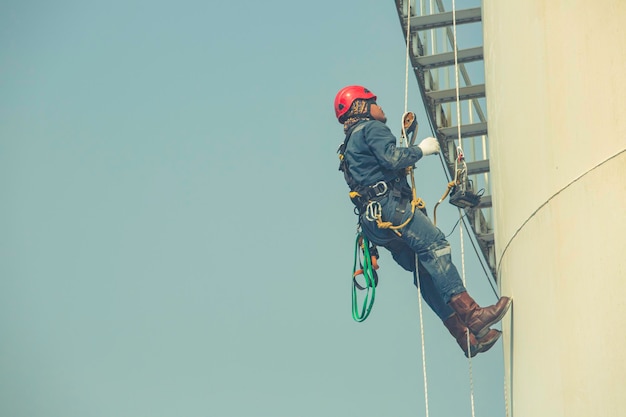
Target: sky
{"x": 175, "y": 237}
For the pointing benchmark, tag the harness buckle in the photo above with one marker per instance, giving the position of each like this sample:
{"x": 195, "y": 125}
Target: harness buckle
{"x": 383, "y": 187}
{"x": 373, "y": 211}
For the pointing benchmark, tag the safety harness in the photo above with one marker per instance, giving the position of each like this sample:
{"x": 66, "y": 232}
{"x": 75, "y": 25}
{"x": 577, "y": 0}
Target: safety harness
{"x": 366, "y": 198}
{"x": 360, "y": 195}
{"x": 366, "y": 201}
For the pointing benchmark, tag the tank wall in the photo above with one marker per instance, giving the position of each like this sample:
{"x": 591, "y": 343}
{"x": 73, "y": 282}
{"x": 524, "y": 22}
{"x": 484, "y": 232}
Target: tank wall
{"x": 556, "y": 99}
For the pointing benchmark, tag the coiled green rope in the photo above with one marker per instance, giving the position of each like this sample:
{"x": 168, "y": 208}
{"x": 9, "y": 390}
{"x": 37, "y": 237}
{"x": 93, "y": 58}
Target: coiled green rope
{"x": 370, "y": 280}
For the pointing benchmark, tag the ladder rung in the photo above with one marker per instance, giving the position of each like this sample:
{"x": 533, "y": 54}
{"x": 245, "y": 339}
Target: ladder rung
{"x": 485, "y": 201}
{"x": 486, "y": 237}
{"x": 444, "y": 19}
{"x": 465, "y": 93}
{"x": 467, "y": 131}
{"x": 447, "y": 58}
{"x": 478, "y": 167}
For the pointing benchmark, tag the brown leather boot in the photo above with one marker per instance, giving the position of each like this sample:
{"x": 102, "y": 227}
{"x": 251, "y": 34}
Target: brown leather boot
{"x": 476, "y": 318}
{"x": 458, "y": 330}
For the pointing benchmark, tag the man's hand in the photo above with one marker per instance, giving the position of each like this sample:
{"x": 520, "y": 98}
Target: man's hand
{"x": 429, "y": 146}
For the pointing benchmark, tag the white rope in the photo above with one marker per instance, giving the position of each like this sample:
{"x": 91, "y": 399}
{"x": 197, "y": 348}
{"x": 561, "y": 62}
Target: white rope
{"x": 404, "y": 140}
{"x": 406, "y": 65}
{"x": 456, "y": 75}
{"x": 508, "y": 382}
{"x": 506, "y": 398}
{"x": 458, "y": 124}
{"x": 469, "y": 358}
{"x": 419, "y": 303}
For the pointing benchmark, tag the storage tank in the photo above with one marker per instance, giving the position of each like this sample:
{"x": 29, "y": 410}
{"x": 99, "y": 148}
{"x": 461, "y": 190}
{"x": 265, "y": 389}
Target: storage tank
{"x": 556, "y": 96}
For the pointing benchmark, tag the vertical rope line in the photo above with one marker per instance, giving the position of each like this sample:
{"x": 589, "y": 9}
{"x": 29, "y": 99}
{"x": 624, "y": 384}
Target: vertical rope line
{"x": 508, "y": 382}
{"x": 405, "y": 139}
{"x": 406, "y": 65}
{"x": 462, "y": 248}
{"x": 506, "y": 398}
{"x": 419, "y": 303}
{"x": 456, "y": 75}
{"x": 469, "y": 359}
{"x": 458, "y": 126}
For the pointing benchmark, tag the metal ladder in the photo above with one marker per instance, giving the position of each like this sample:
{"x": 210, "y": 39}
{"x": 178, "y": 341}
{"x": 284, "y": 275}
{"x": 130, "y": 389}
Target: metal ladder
{"x": 431, "y": 54}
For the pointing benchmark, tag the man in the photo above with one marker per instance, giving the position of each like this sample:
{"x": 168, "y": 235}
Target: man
{"x": 375, "y": 170}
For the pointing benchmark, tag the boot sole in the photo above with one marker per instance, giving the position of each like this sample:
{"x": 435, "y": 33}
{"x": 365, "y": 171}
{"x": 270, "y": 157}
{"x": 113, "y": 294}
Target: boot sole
{"x": 483, "y": 347}
{"x": 486, "y": 346}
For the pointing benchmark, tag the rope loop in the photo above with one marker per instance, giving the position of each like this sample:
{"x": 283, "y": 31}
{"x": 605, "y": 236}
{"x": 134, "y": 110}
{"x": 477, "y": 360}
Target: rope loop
{"x": 368, "y": 271}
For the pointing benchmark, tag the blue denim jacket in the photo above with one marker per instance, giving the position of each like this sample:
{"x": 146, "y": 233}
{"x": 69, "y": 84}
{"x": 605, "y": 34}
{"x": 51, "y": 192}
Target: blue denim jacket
{"x": 372, "y": 154}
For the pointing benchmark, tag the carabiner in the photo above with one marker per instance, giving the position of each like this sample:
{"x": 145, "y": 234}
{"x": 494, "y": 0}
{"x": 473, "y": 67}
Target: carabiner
{"x": 373, "y": 211}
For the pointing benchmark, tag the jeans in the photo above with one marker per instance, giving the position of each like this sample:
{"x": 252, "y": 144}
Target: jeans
{"x": 438, "y": 277}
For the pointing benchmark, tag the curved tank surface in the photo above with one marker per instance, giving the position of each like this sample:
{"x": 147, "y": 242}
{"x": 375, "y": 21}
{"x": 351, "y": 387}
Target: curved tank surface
{"x": 556, "y": 86}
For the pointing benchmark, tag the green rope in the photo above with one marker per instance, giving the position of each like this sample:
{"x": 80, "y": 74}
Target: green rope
{"x": 370, "y": 284}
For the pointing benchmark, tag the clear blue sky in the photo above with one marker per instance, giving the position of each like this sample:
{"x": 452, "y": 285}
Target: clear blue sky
{"x": 175, "y": 237}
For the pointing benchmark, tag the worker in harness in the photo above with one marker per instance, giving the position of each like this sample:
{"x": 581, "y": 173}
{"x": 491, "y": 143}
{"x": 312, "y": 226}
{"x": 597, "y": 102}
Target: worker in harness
{"x": 375, "y": 170}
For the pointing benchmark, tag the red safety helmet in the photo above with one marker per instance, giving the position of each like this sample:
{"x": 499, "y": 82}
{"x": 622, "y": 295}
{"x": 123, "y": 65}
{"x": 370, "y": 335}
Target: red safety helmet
{"x": 346, "y": 96}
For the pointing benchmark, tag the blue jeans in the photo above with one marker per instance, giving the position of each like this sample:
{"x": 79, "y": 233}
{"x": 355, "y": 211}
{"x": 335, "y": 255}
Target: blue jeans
{"x": 439, "y": 278}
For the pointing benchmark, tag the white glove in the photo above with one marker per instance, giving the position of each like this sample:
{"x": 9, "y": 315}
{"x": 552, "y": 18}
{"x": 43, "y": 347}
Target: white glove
{"x": 429, "y": 146}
